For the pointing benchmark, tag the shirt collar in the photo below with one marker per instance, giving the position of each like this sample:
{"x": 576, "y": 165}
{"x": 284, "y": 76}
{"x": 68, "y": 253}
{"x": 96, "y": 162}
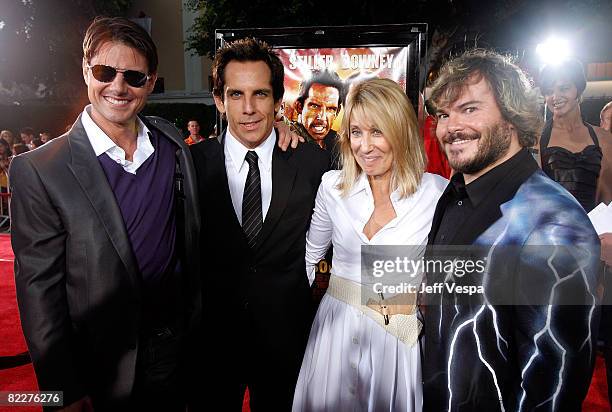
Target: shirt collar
{"x": 237, "y": 151}
{"x": 457, "y": 186}
{"x": 100, "y": 141}
{"x": 362, "y": 184}
{"x": 482, "y": 187}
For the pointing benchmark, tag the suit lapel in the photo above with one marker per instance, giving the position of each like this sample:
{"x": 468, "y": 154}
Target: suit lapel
{"x": 218, "y": 178}
{"x": 283, "y": 177}
{"x": 191, "y": 215}
{"x": 88, "y": 172}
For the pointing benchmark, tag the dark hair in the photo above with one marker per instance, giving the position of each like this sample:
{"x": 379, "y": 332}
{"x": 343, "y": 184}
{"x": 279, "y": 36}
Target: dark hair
{"x": 121, "y": 30}
{"x": 7, "y": 147}
{"x": 248, "y": 50}
{"x": 27, "y": 130}
{"x": 570, "y": 69}
{"x": 515, "y": 97}
{"x": 326, "y": 78}
{"x": 19, "y": 148}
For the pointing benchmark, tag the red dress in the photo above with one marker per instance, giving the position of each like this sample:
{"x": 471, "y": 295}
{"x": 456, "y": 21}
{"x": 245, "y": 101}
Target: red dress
{"x": 436, "y": 159}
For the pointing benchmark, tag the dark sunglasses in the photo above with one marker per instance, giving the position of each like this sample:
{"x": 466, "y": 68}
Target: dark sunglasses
{"x": 107, "y": 74}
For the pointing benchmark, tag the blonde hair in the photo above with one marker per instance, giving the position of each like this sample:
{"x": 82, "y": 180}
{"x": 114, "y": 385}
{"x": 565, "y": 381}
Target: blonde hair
{"x": 386, "y": 105}
{"x": 8, "y": 136}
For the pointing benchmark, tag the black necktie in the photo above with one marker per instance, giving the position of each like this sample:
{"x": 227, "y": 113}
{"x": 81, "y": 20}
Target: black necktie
{"x": 252, "y": 216}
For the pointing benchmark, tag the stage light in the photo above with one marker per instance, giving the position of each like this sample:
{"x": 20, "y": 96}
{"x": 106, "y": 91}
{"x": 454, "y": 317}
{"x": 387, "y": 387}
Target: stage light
{"x": 554, "y": 50}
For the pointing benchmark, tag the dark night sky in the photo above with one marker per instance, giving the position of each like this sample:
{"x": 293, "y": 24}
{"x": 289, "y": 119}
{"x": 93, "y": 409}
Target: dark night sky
{"x": 588, "y": 29}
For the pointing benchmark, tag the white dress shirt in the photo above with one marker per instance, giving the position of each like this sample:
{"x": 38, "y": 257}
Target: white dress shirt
{"x": 341, "y": 220}
{"x": 101, "y": 143}
{"x": 237, "y": 170}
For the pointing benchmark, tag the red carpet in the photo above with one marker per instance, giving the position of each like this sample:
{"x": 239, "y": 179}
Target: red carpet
{"x": 6, "y": 252}
{"x": 22, "y": 377}
{"x": 11, "y": 340}
{"x": 12, "y": 343}
{"x": 597, "y": 398}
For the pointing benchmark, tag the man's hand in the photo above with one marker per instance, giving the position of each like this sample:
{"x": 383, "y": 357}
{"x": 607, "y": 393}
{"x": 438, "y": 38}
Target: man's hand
{"x": 82, "y": 405}
{"x": 606, "y": 248}
{"x": 287, "y": 136}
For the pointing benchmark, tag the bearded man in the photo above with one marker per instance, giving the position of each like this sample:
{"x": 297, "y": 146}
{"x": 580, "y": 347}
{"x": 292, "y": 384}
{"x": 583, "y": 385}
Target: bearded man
{"x": 524, "y": 341}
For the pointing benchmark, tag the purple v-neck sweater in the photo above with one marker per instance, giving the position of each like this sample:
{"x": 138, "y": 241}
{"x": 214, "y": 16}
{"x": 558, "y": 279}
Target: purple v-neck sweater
{"x": 146, "y": 200}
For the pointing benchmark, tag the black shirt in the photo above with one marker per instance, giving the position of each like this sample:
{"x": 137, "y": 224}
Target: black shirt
{"x": 461, "y": 204}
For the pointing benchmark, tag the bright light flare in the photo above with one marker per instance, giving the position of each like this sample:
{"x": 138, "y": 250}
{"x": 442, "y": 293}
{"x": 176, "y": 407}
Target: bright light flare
{"x": 554, "y": 50}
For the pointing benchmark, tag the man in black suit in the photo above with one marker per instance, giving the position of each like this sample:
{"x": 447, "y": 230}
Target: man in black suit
{"x": 257, "y": 201}
{"x": 105, "y": 228}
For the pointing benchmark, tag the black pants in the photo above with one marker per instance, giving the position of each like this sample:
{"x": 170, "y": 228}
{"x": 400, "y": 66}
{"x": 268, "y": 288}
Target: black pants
{"x": 271, "y": 387}
{"x": 260, "y": 358}
{"x": 159, "y": 384}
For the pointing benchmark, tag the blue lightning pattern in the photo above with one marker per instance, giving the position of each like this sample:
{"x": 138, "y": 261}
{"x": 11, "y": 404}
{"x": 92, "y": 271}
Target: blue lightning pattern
{"x": 557, "y": 222}
{"x": 547, "y": 329}
{"x": 473, "y": 321}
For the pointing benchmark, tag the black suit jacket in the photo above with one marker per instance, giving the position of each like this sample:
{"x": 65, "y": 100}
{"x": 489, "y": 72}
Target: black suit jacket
{"x": 260, "y": 295}
{"x": 78, "y": 285}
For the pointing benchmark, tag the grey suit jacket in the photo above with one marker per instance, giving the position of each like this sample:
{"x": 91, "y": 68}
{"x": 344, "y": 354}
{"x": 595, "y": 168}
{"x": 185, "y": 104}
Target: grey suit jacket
{"x": 78, "y": 284}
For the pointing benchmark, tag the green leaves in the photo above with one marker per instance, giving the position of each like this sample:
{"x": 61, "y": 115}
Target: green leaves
{"x": 40, "y": 45}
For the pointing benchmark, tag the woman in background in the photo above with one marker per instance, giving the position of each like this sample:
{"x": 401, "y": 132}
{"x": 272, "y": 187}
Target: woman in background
{"x": 357, "y": 358}
{"x": 8, "y": 137}
{"x": 574, "y": 153}
{"x": 578, "y": 156}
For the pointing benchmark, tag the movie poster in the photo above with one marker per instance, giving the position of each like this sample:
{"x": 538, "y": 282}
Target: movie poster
{"x": 348, "y": 66}
{"x": 316, "y": 84}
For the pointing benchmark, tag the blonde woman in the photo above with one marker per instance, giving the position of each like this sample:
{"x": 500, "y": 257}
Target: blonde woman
{"x": 8, "y": 137}
{"x": 355, "y": 358}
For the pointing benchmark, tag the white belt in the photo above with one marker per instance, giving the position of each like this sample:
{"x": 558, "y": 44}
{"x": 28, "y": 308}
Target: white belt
{"x": 406, "y": 328}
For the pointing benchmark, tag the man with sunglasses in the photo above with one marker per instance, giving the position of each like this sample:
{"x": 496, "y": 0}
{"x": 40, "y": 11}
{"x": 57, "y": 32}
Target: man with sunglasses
{"x": 105, "y": 229}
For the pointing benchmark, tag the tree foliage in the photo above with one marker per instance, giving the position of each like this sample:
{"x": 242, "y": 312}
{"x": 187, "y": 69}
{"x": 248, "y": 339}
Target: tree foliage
{"x": 40, "y": 44}
{"x": 218, "y": 14}
{"x": 506, "y": 25}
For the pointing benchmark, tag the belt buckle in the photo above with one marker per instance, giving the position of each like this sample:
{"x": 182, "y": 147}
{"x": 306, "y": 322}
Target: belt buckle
{"x": 384, "y": 309}
{"x": 380, "y": 307}
{"x": 385, "y": 312}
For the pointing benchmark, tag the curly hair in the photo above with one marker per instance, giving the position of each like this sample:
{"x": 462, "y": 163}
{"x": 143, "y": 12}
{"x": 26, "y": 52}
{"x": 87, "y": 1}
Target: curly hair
{"x": 514, "y": 94}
